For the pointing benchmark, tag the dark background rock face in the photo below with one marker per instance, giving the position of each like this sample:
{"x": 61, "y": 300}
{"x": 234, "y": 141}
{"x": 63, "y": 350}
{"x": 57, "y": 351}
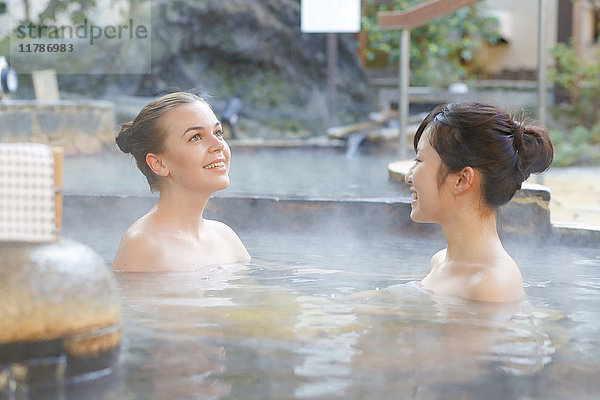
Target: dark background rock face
{"x": 251, "y": 49}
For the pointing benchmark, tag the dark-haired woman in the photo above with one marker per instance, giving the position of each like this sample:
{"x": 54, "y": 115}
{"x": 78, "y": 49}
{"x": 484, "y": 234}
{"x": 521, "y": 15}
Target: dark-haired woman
{"x": 471, "y": 159}
{"x": 178, "y": 144}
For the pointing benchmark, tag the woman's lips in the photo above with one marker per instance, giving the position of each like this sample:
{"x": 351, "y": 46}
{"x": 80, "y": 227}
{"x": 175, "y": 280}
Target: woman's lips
{"x": 216, "y": 164}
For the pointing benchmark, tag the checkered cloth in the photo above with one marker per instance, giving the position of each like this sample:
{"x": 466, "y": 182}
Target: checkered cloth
{"x": 26, "y": 193}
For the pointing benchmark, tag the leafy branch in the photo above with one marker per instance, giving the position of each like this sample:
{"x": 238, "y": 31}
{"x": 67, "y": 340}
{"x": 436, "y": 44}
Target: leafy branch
{"x": 441, "y": 52}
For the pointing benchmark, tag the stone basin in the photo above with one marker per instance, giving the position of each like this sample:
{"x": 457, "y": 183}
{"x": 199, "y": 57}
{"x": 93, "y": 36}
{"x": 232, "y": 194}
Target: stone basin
{"x": 59, "y": 312}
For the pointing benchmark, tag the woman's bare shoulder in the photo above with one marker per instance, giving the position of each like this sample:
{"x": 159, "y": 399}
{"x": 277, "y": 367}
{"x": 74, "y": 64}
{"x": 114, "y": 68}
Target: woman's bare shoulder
{"x": 222, "y": 229}
{"x": 501, "y": 282}
{"x": 231, "y": 238}
{"x": 437, "y": 259}
{"x": 140, "y": 249}
{"x": 219, "y": 226}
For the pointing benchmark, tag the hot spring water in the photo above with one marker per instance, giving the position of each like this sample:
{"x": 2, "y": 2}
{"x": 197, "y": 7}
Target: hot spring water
{"x": 331, "y": 313}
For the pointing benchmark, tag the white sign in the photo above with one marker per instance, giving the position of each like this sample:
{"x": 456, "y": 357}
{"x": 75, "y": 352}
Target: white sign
{"x": 330, "y": 16}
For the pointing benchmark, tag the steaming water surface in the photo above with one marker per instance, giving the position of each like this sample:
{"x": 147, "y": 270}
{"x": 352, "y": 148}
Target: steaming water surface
{"x": 283, "y": 172}
{"x": 320, "y": 317}
{"x": 314, "y": 317}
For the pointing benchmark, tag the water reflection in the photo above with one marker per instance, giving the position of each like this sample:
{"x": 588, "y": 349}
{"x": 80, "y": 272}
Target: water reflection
{"x": 431, "y": 343}
{"x": 259, "y": 330}
{"x": 315, "y": 327}
{"x": 165, "y": 316}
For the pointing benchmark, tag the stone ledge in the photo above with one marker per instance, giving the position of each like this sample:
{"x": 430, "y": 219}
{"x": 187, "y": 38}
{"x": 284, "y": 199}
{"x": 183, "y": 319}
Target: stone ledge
{"x": 79, "y": 127}
{"x": 313, "y": 143}
{"x": 100, "y": 220}
{"x": 576, "y": 234}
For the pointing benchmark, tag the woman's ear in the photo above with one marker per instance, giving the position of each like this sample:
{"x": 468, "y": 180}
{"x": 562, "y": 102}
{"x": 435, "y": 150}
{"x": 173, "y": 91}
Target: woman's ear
{"x": 157, "y": 164}
{"x": 463, "y": 180}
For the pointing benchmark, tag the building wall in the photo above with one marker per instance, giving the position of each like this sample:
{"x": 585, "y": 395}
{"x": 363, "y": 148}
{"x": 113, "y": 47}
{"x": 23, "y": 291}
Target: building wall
{"x": 584, "y": 39}
{"x": 519, "y": 26}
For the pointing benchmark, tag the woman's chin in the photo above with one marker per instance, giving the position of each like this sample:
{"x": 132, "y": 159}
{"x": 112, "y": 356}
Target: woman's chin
{"x": 223, "y": 184}
{"x": 414, "y": 215}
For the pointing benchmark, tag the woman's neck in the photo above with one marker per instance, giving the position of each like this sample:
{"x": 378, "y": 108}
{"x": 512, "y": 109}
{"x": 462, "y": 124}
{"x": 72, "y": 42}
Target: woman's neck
{"x": 183, "y": 210}
{"x": 471, "y": 236}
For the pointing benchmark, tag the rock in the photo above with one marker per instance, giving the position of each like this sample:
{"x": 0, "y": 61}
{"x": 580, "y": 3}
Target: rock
{"x": 251, "y": 49}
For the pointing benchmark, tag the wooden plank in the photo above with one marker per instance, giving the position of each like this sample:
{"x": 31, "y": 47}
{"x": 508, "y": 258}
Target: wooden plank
{"x": 342, "y": 132}
{"x": 419, "y": 14}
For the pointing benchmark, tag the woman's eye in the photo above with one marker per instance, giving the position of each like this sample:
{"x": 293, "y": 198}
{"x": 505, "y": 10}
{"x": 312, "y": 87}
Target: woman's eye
{"x": 196, "y": 137}
{"x": 218, "y": 134}
{"x": 417, "y": 159}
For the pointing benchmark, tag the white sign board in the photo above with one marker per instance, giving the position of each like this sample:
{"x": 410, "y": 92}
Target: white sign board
{"x": 330, "y": 16}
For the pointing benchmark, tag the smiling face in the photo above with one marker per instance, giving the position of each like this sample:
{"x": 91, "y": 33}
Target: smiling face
{"x": 196, "y": 157}
{"x": 429, "y": 199}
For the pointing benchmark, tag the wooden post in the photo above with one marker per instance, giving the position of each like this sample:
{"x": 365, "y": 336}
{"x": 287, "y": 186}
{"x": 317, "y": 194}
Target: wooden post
{"x": 541, "y": 72}
{"x": 57, "y": 152}
{"x": 542, "y": 60}
{"x": 403, "y": 83}
{"x": 331, "y": 78}
{"x": 404, "y": 21}
{"x": 361, "y": 38}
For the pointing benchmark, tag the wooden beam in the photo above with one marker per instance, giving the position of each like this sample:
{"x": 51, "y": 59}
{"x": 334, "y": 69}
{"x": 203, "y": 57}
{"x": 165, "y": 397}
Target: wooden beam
{"x": 419, "y": 14}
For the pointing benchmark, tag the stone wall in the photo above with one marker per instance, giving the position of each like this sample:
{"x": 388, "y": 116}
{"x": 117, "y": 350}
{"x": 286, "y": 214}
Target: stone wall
{"x": 79, "y": 127}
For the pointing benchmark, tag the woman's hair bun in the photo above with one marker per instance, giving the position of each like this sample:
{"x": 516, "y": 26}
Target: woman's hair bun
{"x": 122, "y": 138}
{"x": 534, "y": 149}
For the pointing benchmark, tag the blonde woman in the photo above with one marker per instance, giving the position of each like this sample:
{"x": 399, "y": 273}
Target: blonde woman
{"x": 177, "y": 142}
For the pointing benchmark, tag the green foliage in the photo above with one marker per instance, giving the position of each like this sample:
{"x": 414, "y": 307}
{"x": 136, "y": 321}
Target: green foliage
{"x": 441, "y": 52}
{"x": 580, "y": 79}
{"x": 75, "y": 10}
{"x": 579, "y": 146}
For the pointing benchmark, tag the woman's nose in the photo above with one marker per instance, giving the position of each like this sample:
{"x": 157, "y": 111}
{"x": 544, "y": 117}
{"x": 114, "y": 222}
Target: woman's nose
{"x": 408, "y": 176}
{"x": 217, "y": 144}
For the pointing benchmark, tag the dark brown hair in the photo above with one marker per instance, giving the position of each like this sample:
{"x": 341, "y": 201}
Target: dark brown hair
{"x": 504, "y": 150}
{"x": 145, "y": 135}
